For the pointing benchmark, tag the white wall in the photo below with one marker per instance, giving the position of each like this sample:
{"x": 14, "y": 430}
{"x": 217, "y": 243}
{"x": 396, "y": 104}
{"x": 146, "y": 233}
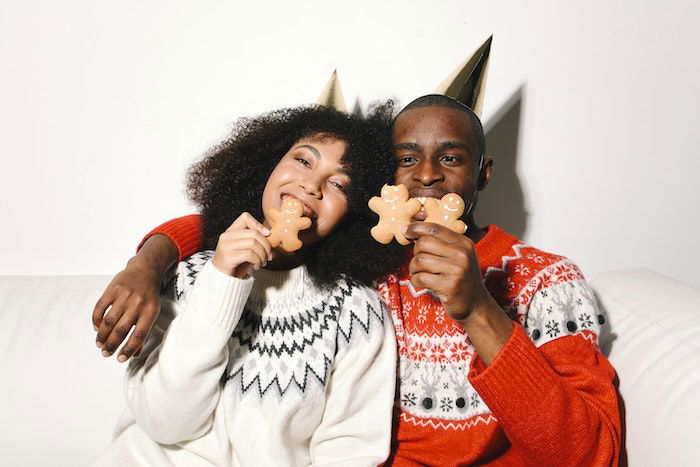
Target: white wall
{"x": 590, "y": 109}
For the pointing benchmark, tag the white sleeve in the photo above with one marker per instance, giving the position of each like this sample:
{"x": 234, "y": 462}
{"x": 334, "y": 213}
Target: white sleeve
{"x": 174, "y": 387}
{"x": 356, "y": 425}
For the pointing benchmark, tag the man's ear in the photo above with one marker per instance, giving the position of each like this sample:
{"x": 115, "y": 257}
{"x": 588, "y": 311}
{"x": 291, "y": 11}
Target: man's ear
{"x": 485, "y": 173}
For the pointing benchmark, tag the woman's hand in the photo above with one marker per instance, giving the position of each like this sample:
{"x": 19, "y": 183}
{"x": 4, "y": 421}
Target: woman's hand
{"x": 242, "y": 247}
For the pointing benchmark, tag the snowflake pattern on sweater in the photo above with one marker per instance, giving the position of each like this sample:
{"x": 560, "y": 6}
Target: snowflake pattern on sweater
{"x": 280, "y": 347}
{"x": 544, "y": 292}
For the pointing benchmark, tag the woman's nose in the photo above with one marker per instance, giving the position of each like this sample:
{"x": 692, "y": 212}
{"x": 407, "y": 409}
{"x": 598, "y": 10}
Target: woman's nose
{"x": 311, "y": 185}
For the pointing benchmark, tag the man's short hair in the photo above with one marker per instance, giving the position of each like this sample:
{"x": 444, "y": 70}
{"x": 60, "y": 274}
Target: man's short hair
{"x": 439, "y": 100}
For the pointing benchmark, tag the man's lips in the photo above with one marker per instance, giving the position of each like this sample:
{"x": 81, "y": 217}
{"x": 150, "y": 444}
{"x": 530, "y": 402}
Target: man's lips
{"x": 422, "y": 195}
{"x": 308, "y": 212}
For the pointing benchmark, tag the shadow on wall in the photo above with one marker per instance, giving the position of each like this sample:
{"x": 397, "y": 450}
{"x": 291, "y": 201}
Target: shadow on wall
{"x": 502, "y": 202}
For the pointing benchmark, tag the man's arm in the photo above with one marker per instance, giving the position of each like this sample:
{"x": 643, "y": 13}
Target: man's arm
{"x": 133, "y": 296}
{"x": 560, "y": 392}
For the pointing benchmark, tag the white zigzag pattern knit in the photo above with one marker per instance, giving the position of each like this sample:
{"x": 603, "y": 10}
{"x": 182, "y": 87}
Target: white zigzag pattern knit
{"x": 285, "y": 346}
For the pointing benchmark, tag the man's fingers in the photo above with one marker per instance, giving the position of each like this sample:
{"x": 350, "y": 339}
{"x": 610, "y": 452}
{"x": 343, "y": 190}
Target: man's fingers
{"x": 135, "y": 343}
{"x": 415, "y": 230}
{"x": 246, "y": 221}
{"x": 101, "y": 307}
{"x": 425, "y": 262}
{"x": 109, "y": 321}
{"x": 426, "y": 280}
{"x": 119, "y": 332}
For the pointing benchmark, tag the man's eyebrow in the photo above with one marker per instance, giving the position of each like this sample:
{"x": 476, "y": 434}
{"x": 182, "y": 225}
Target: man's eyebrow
{"x": 313, "y": 150}
{"x": 454, "y": 145}
{"x": 412, "y": 146}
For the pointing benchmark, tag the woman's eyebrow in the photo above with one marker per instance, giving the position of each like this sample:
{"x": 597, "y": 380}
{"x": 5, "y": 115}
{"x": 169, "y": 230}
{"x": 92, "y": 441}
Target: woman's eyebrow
{"x": 316, "y": 153}
{"x": 313, "y": 150}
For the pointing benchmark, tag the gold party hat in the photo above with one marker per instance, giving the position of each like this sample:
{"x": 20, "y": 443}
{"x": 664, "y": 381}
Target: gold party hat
{"x": 467, "y": 83}
{"x": 332, "y": 96}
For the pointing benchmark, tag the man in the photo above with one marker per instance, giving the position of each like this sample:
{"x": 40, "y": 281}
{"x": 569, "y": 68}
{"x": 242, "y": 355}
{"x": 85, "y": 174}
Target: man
{"x": 497, "y": 340}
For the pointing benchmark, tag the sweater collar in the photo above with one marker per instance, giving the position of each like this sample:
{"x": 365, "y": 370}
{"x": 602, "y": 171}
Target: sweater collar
{"x": 273, "y": 285}
{"x": 493, "y": 246}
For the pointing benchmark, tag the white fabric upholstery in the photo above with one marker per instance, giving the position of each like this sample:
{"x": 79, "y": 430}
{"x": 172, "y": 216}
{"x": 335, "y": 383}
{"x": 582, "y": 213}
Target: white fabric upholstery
{"x": 653, "y": 341}
{"x": 60, "y": 399}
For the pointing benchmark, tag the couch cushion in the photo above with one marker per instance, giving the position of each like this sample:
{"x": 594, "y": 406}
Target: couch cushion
{"x": 59, "y": 398}
{"x": 652, "y": 339}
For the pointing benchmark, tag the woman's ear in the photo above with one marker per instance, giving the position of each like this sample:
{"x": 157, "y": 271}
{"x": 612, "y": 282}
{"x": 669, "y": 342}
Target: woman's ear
{"x": 485, "y": 173}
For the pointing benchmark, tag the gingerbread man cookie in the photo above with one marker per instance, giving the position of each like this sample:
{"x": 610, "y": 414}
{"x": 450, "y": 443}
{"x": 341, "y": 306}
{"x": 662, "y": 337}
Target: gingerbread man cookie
{"x": 286, "y": 224}
{"x": 395, "y": 211}
{"x": 446, "y": 212}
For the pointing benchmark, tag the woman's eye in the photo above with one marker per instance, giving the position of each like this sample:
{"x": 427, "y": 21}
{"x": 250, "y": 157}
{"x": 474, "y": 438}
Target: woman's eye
{"x": 303, "y": 161}
{"x": 339, "y": 186}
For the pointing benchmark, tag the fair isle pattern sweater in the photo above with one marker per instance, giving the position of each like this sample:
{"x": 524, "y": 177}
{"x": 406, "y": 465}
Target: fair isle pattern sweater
{"x": 264, "y": 371}
{"x": 547, "y": 398}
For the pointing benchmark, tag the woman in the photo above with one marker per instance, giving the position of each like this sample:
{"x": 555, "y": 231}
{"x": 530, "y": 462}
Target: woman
{"x": 260, "y": 356}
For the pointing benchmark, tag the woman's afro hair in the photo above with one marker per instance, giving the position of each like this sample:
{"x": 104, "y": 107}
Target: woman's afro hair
{"x": 230, "y": 179}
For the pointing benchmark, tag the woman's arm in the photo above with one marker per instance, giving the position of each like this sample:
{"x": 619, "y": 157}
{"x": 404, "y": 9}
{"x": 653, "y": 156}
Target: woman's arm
{"x": 356, "y": 425}
{"x": 174, "y": 387}
{"x": 173, "y": 390}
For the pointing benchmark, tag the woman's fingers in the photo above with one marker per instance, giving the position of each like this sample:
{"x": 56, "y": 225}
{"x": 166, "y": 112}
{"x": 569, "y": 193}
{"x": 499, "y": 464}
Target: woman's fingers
{"x": 229, "y": 237}
{"x": 240, "y": 249}
{"x": 246, "y": 221}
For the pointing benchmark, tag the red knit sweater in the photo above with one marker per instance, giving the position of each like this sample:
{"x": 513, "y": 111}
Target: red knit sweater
{"x": 547, "y": 398}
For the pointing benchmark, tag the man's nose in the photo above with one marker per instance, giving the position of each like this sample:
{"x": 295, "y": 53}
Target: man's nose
{"x": 428, "y": 173}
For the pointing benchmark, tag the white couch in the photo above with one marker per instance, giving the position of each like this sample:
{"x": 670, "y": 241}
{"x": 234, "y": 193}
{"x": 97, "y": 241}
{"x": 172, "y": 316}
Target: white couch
{"x": 59, "y": 398}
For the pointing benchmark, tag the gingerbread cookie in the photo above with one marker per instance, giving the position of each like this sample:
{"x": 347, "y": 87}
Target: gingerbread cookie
{"x": 446, "y": 212}
{"x": 395, "y": 211}
{"x": 286, "y": 224}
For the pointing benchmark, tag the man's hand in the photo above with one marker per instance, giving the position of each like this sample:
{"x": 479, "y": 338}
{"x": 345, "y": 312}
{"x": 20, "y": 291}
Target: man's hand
{"x": 242, "y": 247}
{"x": 446, "y": 263}
{"x": 133, "y": 299}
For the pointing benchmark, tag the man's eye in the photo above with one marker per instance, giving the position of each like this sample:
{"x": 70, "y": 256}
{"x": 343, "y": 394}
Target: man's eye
{"x": 449, "y": 159}
{"x": 406, "y": 160}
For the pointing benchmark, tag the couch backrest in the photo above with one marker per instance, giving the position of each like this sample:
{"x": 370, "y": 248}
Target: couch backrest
{"x": 60, "y": 399}
{"x": 652, "y": 339}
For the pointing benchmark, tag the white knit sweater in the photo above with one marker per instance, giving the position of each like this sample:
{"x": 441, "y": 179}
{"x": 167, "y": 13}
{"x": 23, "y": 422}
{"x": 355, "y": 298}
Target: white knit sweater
{"x": 265, "y": 371}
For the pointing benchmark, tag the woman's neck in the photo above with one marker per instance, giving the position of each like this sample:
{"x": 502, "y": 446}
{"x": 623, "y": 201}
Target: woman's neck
{"x": 284, "y": 261}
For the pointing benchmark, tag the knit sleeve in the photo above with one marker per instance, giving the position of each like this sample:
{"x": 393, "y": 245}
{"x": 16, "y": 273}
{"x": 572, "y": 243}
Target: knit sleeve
{"x": 550, "y": 387}
{"x": 185, "y": 232}
{"x": 356, "y": 425}
{"x": 173, "y": 388}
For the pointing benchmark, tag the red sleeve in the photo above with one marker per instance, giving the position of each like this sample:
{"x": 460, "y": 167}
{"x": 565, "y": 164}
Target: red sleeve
{"x": 556, "y": 403}
{"x": 185, "y": 232}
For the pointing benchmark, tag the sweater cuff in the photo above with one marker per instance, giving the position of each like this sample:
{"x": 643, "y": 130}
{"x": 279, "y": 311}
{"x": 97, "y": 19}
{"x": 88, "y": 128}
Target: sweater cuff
{"x": 185, "y": 232}
{"x": 218, "y": 298}
{"x": 519, "y": 368}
